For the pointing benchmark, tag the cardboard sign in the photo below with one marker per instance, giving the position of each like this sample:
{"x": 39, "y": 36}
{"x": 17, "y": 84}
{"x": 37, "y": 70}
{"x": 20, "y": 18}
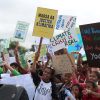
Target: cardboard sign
{"x": 21, "y": 31}
{"x": 45, "y": 22}
{"x": 62, "y": 64}
{"x": 91, "y": 40}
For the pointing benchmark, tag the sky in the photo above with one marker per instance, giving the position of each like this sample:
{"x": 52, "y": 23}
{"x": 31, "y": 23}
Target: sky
{"x": 11, "y": 11}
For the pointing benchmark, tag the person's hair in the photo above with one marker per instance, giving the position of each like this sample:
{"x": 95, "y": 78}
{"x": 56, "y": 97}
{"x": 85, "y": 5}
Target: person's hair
{"x": 14, "y": 64}
{"x": 20, "y": 69}
{"x": 84, "y": 62}
{"x": 59, "y": 76}
{"x": 52, "y": 73}
{"x": 97, "y": 74}
{"x": 80, "y": 91}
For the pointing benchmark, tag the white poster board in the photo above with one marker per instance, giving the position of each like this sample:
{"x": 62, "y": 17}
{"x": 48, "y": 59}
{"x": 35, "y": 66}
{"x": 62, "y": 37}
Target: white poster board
{"x": 64, "y": 22}
{"x": 21, "y": 80}
{"x": 21, "y": 31}
{"x": 67, "y": 23}
{"x": 62, "y": 40}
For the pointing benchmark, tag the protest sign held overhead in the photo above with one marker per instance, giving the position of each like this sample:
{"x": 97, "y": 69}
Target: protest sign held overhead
{"x": 91, "y": 40}
{"x": 64, "y": 22}
{"x": 78, "y": 45}
{"x": 67, "y": 23}
{"x": 62, "y": 40}
{"x": 62, "y": 64}
{"x": 21, "y": 31}
{"x": 45, "y": 22}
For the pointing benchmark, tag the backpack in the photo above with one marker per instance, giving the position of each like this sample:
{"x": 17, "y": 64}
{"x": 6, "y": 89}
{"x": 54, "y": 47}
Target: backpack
{"x": 13, "y": 92}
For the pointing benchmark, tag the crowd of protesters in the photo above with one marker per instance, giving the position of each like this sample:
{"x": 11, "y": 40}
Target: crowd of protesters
{"x": 82, "y": 84}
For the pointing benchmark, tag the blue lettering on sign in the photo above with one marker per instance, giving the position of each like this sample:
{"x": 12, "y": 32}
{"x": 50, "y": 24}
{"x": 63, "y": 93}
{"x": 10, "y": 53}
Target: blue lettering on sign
{"x": 63, "y": 21}
{"x": 91, "y": 31}
{"x": 95, "y": 30}
{"x": 86, "y": 31}
{"x": 58, "y": 22}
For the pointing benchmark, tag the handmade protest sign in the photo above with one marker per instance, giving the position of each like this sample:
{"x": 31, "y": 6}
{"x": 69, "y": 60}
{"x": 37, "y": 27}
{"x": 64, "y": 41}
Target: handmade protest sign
{"x": 91, "y": 40}
{"x": 62, "y": 40}
{"x": 64, "y": 22}
{"x": 45, "y": 22}
{"x": 21, "y": 31}
{"x": 62, "y": 64}
{"x": 67, "y": 23}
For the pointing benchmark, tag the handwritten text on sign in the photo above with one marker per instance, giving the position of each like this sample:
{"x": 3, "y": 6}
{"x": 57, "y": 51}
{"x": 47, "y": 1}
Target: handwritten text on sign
{"x": 45, "y": 22}
{"x": 65, "y": 22}
{"x": 91, "y": 39}
{"x": 60, "y": 41}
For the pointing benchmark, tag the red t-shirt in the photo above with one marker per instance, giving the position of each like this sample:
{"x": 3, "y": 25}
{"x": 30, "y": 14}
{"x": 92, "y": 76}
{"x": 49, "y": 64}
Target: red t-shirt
{"x": 91, "y": 96}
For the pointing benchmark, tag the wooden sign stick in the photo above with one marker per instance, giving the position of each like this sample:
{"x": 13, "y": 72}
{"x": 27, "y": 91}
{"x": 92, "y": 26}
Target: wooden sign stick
{"x": 37, "y": 55}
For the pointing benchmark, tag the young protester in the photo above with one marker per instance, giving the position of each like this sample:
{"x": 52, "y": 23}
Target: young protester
{"x": 91, "y": 92}
{"x": 76, "y": 90}
{"x": 64, "y": 93}
{"x": 45, "y": 88}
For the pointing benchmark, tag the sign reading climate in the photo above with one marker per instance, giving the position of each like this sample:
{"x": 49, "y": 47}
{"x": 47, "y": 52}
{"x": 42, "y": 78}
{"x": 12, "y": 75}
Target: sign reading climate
{"x": 45, "y": 22}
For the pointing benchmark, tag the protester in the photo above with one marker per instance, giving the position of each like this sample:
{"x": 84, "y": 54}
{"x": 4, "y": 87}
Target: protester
{"x": 13, "y": 71}
{"x": 45, "y": 88}
{"x": 91, "y": 92}
{"x": 76, "y": 90}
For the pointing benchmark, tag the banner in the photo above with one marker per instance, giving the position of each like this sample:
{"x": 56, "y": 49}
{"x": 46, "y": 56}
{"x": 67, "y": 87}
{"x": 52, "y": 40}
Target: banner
{"x": 62, "y": 64}
{"x": 21, "y": 80}
{"x": 45, "y": 22}
{"x": 91, "y": 40}
{"x": 21, "y": 31}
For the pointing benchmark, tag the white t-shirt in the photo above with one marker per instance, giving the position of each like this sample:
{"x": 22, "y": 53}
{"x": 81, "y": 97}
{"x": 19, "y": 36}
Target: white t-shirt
{"x": 43, "y": 91}
{"x": 69, "y": 95}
